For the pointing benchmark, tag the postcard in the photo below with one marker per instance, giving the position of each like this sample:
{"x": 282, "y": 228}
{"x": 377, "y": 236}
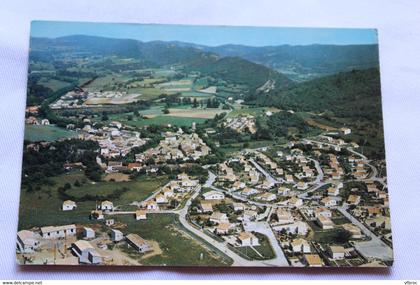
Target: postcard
{"x": 177, "y": 145}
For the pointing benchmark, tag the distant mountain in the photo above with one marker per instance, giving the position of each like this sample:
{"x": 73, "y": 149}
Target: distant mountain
{"x": 159, "y": 53}
{"x": 305, "y": 62}
{"x": 239, "y": 71}
{"x": 354, "y": 94}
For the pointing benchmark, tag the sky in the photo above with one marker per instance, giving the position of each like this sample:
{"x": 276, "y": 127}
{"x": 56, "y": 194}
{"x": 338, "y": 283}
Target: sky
{"x": 207, "y": 35}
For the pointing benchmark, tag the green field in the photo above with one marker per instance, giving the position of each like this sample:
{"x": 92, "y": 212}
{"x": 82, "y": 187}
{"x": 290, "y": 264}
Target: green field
{"x": 46, "y": 133}
{"x": 247, "y": 111}
{"x": 178, "y": 248}
{"x": 165, "y": 120}
{"x": 43, "y": 207}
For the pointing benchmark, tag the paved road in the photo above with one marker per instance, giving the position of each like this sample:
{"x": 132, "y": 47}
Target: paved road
{"x": 264, "y": 228}
{"x": 375, "y": 248}
{"x": 267, "y": 175}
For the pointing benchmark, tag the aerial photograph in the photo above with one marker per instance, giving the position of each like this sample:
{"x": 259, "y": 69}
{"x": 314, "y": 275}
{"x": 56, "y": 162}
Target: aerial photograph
{"x": 209, "y": 146}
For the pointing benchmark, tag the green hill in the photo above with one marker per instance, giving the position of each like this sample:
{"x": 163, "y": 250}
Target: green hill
{"x": 238, "y": 71}
{"x": 348, "y": 94}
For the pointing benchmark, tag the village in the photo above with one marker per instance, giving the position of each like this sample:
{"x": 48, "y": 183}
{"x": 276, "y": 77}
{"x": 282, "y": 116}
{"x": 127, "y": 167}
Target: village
{"x": 314, "y": 202}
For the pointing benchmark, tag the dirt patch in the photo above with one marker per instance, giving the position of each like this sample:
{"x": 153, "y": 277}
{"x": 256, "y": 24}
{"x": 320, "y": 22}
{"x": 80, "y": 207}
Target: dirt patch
{"x": 117, "y": 177}
{"x": 156, "y": 249}
{"x": 195, "y": 113}
{"x": 319, "y": 125}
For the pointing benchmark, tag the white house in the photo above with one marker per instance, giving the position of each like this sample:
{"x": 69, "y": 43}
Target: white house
{"x": 266, "y": 196}
{"x": 322, "y": 212}
{"x": 248, "y": 239}
{"x": 328, "y": 202}
{"x": 141, "y": 215}
{"x": 116, "y": 235}
{"x": 138, "y": 243}
{"x": 325, "y": 223}
{"x": 336, "y": 252}
{"x": 151, "y": 205}
{"x": 88, "y": 233}
{"x": 26, "y": 241}
{"x": 213, "y": 195}
{"x": 284, "y": 216}
{"x": 106, "y": 205}
{"x": 69, "y": 205}
{"x": 86, "y": 253}
{"x": 218, "y": 218}
{"x": 51, "y": 232}
{"x": 238, "y": 207}
{"x": 161, "y": 199}
{"x": 300, "y": 245}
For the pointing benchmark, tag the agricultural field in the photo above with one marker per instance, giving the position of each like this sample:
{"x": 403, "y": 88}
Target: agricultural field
{"x": 46, "y": 133}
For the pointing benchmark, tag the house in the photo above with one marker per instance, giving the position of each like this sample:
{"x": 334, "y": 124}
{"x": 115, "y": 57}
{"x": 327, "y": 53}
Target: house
{"x": 45, "y": 122}
{"x": 313, "y": 260}
{"x": 151, "y": 205}
{"x": 300, "y": 245}
{"x": 298, "y": 227}
{"x": 109, "y": 222}
{"x": 249, "y": 191}
{"x": 167, "y": 192}
{"x": 97, "y": 215}
{"x": 302, "y": 185}
{"x": 51, "y": 232}
{"x": 284, "y": 216}
{"x": 161, "y": 199}
{"x": 355, "y": 231}
{"x": 284, "y": 191}
{"x": 106, "y": 205}
{"x": 353, "y": 200}
{"x": 213, "y": 195}
{"x": 248, "y": 239}
{"x": 134, "y": 166}
{"x": 336, "y": 252}
{"x": 295, "y": 202}
{"x": 116, "y": 235}
{"x": 249, "y": 215}
{"x": 322, "y": 212}
{"x": 333, "y": 191}
{"x": 325, "y": 223}
{"x": 238, "y": 207}
{"x": 69, "y": 205}
{"x": 266, "y": 196}
{"x": 328, "y": 202}
{"x": 219, "y": 218}
{"x": 223, "y": 228}
{"x": 206, "y": 207}
{"x": 88, "y": 233}
{"x": 140, "y": 215}
{"x": 289, "y": 178}
{"x": 26, "y": 241}
{"x": 238, "y": 185}
{"x": 345, "y": 131}
{"x": 138, "y": 243}
{"x": 86, "y": 253}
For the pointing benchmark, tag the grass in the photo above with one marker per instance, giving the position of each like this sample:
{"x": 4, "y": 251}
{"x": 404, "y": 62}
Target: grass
{"x": 178, "y": 248}
{"x": 53, "y": 84}
{"x": 246, "y": 111}
{"x": 46, "y": 133}
{"x": 146, "y": 93}
{"x": 43, "y": 207}
{"x": 264, "y": 249}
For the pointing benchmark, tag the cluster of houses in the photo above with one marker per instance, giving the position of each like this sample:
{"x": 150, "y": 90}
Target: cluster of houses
{"x": 241, "y": 124}
{"x": 86, "y": 250}
{"x": 358, "y": 167}
{"x": 222, "y": 222}
{"x": 79, "y": 98}
{"x": 175, "y": 146}
{"x": 114, "y": 142}
{"x": 31, "y": 120}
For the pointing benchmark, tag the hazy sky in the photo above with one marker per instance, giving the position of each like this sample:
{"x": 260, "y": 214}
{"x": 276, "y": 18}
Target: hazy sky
{"x": 207, "y": 35}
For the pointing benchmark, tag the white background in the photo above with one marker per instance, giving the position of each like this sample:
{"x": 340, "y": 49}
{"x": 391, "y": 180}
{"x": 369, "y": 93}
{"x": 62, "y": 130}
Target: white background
{"x": 398, "y": 23}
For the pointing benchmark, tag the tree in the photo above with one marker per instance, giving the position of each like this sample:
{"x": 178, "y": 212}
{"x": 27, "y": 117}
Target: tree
{"x": 166, "y": 111}
{"x": 195, "y": 103}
